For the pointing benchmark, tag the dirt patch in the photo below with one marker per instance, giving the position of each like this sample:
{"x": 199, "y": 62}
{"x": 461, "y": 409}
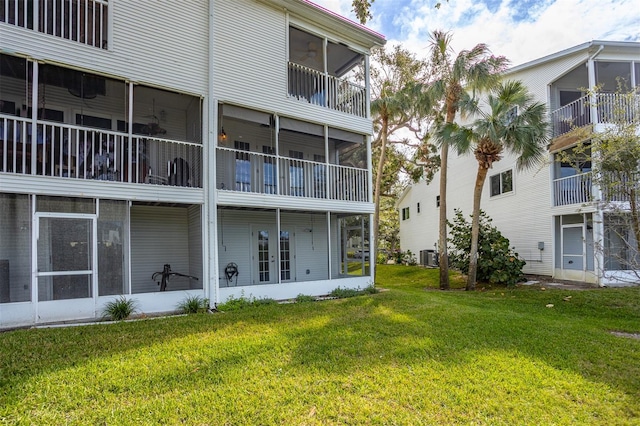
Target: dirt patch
{"x": 627, "y": 335}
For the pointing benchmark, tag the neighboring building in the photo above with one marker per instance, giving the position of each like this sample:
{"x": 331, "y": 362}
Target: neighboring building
{"x": 546, "y": 212}
{"x": 229, "y": 139}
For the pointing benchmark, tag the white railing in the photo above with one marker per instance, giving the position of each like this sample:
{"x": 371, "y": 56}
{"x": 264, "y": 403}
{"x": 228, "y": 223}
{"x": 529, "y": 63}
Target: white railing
{"x": 572, "y": 190}
{"x": 245, "y": 171}
{"x": 573, "y": 115}
{"x": 611, "y": 107}
{"x": 70, "y": 151}
{"x": 83, "y": 21}
{"x": 328, "y": 91}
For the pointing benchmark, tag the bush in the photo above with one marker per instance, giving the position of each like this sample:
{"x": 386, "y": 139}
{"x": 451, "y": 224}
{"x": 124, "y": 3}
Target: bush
{"x": 120, "y": 308}
{"x": 303, "y": 298}
{"x": 193, "y": 305}
{"x": 342, "y": 293}
{"x": 405, "y": 258}
{"x": 497, "y": 262}
{"x": 235, "y": 304}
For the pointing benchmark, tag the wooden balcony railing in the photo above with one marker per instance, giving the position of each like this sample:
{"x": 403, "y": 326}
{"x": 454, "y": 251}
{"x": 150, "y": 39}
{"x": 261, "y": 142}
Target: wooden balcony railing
{"x": 611, "y": 108}
{"x": 572, "y": 190}
{"x": 253, "y": 172}
{"x": 82, "y": 21}
{"x": 64, "y": 150}
{"x": 325, "y": 90}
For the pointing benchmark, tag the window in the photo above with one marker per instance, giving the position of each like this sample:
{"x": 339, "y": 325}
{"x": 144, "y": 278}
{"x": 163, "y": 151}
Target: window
{"x": 437, "y": 201}
{"x": 511, "y": 115}
{"x": 285, "y": 256}
{"x": 296, "y": 174}
{"x": 405, "y": 213}
{"x": 501, "y": 183}
{"x": 269, "y": 170}
{"x": 319, "y": 176}
{"x": 243, "y": 167}
{"x": 418, "y": 207}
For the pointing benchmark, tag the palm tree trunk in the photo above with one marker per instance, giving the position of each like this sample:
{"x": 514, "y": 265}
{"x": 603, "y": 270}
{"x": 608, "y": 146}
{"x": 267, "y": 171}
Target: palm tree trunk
{"x": 481, "y": 176}
{"x": 443, "y": 257}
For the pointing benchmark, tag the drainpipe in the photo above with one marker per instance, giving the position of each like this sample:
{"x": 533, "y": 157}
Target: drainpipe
{"x": 210, "y": 141}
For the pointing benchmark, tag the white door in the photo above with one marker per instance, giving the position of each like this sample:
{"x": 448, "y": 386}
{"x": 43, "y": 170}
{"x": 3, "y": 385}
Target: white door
{"x": 265, "y": 246}
{"x": 65, "y": 266}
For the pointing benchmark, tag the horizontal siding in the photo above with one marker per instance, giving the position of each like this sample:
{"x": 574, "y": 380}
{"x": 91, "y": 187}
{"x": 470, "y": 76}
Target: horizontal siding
{"x": 246, "y": 199}
{"x": 159, "y": 235}
{"x": 524, "y": 217}
{"x": 164, "y": 46}
{"x": 309, "y": 246}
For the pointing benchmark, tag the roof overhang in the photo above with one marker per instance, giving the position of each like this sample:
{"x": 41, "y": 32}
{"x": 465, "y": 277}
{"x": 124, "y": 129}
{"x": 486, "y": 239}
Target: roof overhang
{"x": 588, "y": 48}
{"x": 331, "y": 21}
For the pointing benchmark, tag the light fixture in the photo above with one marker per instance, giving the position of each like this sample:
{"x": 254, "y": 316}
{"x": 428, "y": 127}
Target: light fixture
{"x": 222, "y": 136}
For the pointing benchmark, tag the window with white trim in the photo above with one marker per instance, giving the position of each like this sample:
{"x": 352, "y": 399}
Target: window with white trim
{"x": 405, "y": 213}
{"x": 501, "y": 183}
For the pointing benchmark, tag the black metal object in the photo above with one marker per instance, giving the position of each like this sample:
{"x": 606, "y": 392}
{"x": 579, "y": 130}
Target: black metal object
{"x": 166, "y": 273}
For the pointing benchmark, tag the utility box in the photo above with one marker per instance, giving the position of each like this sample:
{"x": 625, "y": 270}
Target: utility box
{"x": 428, "y": 258}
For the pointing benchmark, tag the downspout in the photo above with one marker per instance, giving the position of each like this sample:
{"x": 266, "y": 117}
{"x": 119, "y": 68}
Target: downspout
{"x": 596, "y": 191}
{"x": 373, "y": 245}
{"x": 209, "y": 179}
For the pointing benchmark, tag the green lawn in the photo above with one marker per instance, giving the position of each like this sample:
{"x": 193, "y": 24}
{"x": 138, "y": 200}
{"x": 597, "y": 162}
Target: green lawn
{"x": 404, "y": 356}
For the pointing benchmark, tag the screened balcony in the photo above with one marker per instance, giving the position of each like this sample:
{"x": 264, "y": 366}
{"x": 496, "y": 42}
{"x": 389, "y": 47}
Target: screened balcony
{"x": 610, "y": 107}
{"x": 263, "y": 154}
{"x": 327, "y": 74}
{"x": 81, "y": 21}
{"x": 86, "y": 126}
{"x": 244, "y": 171}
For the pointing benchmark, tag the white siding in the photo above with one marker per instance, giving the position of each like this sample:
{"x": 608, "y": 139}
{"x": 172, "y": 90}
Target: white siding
{"x": 159, "y": 235}
{"x": 161, "y": 45}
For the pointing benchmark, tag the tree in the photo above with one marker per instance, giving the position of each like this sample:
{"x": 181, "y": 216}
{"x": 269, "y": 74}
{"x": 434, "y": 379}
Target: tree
{"x": 512, "y": 123}
{"x": 362, "y": 9}
{"x": 614, "y": 153}
{"x": 471, "y": 70}
{"x": 395, "y": 79}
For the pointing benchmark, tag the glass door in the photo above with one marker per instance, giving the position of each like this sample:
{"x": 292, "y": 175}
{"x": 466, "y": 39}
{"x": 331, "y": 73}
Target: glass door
{"x": 265, "y": 243}
{"x": 65, "y": 254}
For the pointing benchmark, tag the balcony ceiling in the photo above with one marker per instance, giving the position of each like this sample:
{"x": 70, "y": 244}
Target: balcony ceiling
{"x": 306, "y": 49}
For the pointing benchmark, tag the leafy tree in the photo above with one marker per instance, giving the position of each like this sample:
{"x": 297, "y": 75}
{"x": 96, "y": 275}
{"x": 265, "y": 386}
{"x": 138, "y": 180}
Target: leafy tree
{"x": 497, "y": 262}
{"x": 362, "y": 9}
{"x": 456, "y": 79}
{"x": 512, "y": 122}
{"x": 395, "y": 79}
{"x": 614, "y": 153}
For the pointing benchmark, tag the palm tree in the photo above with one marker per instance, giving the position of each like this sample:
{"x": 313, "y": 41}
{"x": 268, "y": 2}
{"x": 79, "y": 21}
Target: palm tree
{"x": 473, "y": 70}
{"x": 512, "y": 123}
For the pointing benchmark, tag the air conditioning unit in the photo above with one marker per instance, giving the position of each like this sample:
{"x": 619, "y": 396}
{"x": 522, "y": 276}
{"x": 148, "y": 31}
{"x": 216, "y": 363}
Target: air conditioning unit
{"x": 428, "y": 258}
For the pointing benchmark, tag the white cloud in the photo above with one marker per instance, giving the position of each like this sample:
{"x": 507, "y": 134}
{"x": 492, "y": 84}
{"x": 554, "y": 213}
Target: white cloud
{"x": 551, "y": 26}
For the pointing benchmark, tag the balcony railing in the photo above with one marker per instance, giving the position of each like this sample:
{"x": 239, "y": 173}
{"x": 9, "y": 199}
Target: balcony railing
{"x": 82, "y": 21}
{"x": 253, "y": 172}
{"x": 572, "y": 190}
{"x": 611, "y": 107}
{"x": 325, "y": 90}
{"x": 69, "y": 151}
{"x": 620, "y": 187}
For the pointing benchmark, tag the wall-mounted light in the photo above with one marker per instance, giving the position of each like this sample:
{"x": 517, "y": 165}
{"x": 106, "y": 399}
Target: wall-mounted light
{"x": 222, "y": 136}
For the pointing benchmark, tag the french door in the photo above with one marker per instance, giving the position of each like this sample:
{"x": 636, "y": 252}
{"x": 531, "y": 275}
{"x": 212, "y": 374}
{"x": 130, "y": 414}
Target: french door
{"x": 265, "y": 246}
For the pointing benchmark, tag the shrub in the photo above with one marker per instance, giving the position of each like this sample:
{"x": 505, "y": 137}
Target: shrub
{"x": 120, "y": 308}
{"x": 370, "y": 290}
{"x": 264, "y": 301}
{"x": 342, "y": 293}
{"x": 193, "y": 305}
{"x": 235, "y": 304}
{"x": 405, "y": 258}
{"x": 303, "y": 298}
{"x": 497, "y": 262}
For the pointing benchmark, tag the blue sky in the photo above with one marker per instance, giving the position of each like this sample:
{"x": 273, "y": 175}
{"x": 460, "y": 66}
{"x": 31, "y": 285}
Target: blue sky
{"x": 521, "y": 30}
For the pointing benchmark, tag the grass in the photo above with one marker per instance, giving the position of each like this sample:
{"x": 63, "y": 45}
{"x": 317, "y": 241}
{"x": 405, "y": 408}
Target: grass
{"x": 408, "y": 356}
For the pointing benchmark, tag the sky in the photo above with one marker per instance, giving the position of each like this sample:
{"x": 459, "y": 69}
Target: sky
{"x": 521, "y": 30}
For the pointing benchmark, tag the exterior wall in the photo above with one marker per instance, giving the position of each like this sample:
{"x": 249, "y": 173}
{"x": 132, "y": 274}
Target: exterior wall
{"x": 523, "y": 216}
